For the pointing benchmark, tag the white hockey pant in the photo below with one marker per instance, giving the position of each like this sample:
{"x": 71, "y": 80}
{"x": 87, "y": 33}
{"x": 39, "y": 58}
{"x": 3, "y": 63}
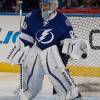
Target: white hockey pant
{"x": 43, "y": 62}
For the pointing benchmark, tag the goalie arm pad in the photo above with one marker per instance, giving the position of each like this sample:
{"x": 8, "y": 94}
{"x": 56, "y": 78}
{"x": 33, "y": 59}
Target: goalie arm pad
{"x": 18, "y": 53}
{"x": 76, "y": 48}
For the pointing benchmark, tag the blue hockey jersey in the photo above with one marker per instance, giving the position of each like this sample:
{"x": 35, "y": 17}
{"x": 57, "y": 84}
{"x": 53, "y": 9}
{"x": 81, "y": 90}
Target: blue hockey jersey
{"x": 45, "y": 34}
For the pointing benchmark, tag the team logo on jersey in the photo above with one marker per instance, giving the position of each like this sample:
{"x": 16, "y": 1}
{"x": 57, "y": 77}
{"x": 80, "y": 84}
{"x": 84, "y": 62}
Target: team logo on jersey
{"x": 45, "y": 36}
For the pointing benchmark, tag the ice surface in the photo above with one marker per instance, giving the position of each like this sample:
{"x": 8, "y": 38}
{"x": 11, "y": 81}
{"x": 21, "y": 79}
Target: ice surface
{"x": 10, "y": 81}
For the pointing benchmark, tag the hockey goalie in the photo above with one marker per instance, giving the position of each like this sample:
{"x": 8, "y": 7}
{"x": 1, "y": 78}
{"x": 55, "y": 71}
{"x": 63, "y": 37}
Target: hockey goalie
{"x": 44, "y": 47}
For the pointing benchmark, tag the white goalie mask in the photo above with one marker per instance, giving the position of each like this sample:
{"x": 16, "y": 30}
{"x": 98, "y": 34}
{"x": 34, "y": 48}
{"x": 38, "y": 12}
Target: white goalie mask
{"x": 47, "y": 8}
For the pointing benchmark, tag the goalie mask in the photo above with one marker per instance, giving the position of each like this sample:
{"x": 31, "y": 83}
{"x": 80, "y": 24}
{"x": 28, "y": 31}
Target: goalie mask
{"x": 47, "y": 8}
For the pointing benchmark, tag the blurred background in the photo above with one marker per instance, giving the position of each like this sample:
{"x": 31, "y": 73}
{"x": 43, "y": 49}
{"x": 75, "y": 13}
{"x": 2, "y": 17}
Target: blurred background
{"x": 28, "y": 5}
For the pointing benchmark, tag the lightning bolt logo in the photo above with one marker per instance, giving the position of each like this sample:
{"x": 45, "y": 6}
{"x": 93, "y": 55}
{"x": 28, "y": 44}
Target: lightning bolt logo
{"x": 44, "y": 36}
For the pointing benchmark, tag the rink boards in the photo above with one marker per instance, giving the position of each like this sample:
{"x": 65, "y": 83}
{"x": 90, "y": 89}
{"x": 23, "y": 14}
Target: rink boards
{"x": 74, "y": 70}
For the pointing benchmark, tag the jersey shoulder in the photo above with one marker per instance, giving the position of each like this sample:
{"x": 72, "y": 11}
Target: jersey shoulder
{"x": 33, "y": 14}
{"x": 61, "y": 15}
{"x": 64, "y": 18}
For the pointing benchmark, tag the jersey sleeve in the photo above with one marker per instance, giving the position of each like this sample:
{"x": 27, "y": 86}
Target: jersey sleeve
{"x": 26, "y": 35}
{"x": 69, "y": 28}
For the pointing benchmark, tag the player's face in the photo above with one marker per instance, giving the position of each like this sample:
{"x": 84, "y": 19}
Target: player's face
{"x": 45, "y": 6}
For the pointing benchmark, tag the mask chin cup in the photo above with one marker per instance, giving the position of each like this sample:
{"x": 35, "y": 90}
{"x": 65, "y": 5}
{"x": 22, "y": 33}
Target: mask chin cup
{"x": 46, "y": 15}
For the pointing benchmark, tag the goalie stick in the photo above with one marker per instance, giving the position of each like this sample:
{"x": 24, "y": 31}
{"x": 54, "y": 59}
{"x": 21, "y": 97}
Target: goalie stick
{"x": 21, "y": 68}
{"x": 17, "y": 91}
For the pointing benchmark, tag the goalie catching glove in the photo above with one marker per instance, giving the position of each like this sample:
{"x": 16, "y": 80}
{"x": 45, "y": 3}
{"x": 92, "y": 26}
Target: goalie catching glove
{"x": 18, "y": 53}
{"x": 76, "y": 48}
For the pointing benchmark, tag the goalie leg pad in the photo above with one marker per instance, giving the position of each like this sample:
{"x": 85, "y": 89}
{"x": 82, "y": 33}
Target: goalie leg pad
{"x": 32, "y": 73}
{"x": 54, "y": 68}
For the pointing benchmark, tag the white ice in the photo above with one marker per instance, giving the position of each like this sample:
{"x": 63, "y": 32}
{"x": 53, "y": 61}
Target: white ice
{"x": 10, "y": 81}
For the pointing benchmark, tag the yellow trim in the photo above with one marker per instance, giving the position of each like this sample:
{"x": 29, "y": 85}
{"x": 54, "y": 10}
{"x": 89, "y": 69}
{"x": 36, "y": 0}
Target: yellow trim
{"x": 5, "y": 67}
{"x": 84, "y": 71}
{"x": 91, "y": 71}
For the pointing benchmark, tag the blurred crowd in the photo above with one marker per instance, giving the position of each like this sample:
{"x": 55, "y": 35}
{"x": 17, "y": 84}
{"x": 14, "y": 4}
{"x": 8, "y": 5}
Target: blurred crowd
{"x": 13, "y": 5}
{"x": 79, "y": 4}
